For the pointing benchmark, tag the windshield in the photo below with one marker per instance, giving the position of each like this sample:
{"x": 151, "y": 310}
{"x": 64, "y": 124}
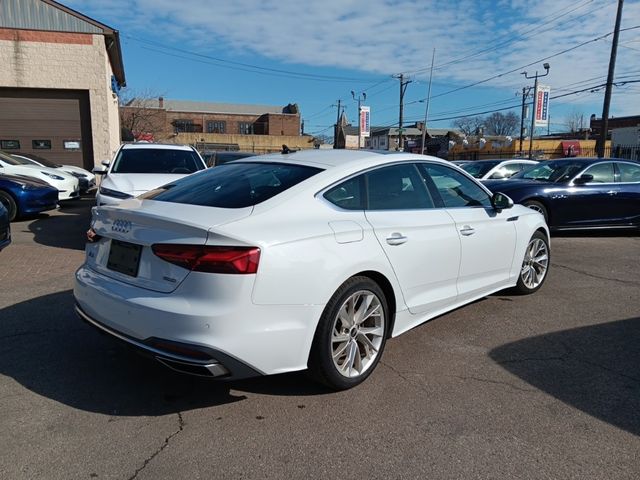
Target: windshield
{"x": 554, "y": 171}
{"x": 234, "y": 185}
{"x": 33, "y": 158}
{"x": 9, "y": 159}
{"x": 479, "y": 169}
{"x": 156, "y": 160}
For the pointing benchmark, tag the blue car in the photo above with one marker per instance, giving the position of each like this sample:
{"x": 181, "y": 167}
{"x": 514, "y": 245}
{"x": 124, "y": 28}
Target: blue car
{"x": 5, "y": 229}
{"x": 26, "y": 196}
{"x": 578, "y": 193}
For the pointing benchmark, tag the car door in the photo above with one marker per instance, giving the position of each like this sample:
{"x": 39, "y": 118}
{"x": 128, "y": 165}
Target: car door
{"x": 628, "y": 196}
{"x": 419, "y": 240}
{"x": 487, "y": 236}
{"x": 594, "y": 203}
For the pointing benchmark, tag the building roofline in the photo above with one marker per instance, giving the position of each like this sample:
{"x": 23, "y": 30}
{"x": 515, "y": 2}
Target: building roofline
{"x": 112, "y": 40}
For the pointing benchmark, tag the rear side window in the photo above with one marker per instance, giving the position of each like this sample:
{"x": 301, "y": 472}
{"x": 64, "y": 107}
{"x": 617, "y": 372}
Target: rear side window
{"x": 629, "y": 173}
{"x": 234, "y": 185}
{"x": 157, "y": 160}
{"x": 347, "y": 195}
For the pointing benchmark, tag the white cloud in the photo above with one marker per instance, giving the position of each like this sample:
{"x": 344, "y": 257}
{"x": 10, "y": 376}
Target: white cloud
{"x": 389, "y": 36}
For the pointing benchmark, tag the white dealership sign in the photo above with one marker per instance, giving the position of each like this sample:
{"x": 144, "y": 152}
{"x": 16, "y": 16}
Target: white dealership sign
{"x": 542, "y": 105}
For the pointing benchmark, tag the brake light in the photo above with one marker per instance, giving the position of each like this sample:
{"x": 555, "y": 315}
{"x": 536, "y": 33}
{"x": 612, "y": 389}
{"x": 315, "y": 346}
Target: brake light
{"x": 211, "y": 259}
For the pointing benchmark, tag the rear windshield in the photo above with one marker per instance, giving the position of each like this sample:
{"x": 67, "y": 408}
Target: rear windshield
{"x": 157, "y": 160}
{"x": 234, "y": 185}
{"x": 479, "y": 169}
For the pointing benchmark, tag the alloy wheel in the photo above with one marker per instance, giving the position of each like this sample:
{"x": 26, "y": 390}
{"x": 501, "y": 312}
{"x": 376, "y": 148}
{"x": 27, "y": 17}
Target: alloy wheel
{"x": 357, "y": 333}
{"x": 535, "y": 264}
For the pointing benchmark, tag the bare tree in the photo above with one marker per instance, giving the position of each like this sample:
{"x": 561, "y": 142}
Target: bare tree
{"x": 574, "y": 121}
{"x": 468, "y": 125}
{"x": 140, "y": 115}
{"x": 501, "y": 124}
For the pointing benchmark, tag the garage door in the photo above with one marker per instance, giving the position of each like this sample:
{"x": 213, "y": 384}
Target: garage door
{"x": 54, "y": 124}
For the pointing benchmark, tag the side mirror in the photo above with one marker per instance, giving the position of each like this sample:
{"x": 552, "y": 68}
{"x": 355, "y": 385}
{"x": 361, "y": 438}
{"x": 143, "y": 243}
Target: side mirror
{"x": 105, "y": 163}
{"x": 500, "y": 201}
{"x": 582, "y": 179}
{"x": 99, "y": 170}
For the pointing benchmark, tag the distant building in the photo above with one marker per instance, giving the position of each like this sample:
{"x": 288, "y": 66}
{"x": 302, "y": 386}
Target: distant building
{"x": 216, "y": 126}
{"x": 60, "y": 72}
{"x": 614, "y": 122}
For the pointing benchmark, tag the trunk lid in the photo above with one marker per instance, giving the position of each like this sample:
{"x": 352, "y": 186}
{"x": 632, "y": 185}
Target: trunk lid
{"x": 129, "y": 230}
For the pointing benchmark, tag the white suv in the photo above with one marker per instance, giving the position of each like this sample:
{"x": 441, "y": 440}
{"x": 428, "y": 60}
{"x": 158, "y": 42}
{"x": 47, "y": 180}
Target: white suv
{"x": 140, "y": 167}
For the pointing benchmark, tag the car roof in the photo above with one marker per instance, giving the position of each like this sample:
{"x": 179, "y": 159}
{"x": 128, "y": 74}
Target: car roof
{"x": 340, "y": 160}
{"x": 148, "y": 145}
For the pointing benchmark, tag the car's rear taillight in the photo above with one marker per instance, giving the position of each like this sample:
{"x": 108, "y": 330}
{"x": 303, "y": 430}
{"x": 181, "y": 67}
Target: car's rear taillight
{"x": 212, "y": 259}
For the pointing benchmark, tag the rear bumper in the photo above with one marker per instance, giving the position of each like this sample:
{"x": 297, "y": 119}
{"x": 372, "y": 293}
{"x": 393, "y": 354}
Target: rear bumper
{"x": 205, "y": 313}
{"x": 193, "y": 359}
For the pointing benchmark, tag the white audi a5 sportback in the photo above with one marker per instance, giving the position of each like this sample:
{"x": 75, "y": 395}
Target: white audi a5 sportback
{"x": 140, "y": 167}
{"x": 309, "y": 260}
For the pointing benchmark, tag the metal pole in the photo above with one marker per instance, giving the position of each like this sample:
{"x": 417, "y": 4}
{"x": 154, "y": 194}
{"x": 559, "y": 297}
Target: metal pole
{"x": 533, "y": 115}
{"x": 400, "y": 142}
{"x": 426, "y": 109}
{"x": 359, "y": 125}
{"x": 335, "y": 130}
{"x": 602, "y": 138}
{"x": 524, "y": 97}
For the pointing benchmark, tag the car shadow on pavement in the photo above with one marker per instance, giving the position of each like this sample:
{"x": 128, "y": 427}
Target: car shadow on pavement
{"x": 66, "y": 228}
{"x": 592, "y": 368}
{"x": 46, "y": 348}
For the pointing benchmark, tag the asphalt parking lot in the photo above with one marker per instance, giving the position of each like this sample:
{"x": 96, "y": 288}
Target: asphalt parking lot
{"x": 544, "y": 386}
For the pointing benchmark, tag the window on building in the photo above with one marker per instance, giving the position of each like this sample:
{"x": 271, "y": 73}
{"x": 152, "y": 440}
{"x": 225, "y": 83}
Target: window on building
{"x": 245, "y": 128}
{"x": 182, "y": 125}
{"x": 41, "y": 144}
{"x": 10, "y": 144}
{"x": 216, "y": 126}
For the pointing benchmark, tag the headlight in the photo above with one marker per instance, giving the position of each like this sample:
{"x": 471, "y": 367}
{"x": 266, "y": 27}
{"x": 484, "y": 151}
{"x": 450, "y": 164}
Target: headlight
{"x": 78, "y": 175}
{"x": 52, "y": 175}
{"x": 114, "y": 193}
{"x": 28, "y": 186}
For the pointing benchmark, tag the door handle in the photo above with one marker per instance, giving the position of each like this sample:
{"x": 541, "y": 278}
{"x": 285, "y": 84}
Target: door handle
{"x": 612, "y": 192}
{"x": 467, "y": 230}
{"x": 396, "y": 239}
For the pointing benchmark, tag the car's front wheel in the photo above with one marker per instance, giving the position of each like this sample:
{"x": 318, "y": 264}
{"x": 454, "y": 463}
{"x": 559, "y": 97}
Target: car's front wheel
{"x": 351, "y": 335}
{"x": 10, "y": 204}
{"x": 535, "y": 264}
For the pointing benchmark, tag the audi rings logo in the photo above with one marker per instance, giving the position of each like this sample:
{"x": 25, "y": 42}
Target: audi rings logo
{"x": 122, "y": 226}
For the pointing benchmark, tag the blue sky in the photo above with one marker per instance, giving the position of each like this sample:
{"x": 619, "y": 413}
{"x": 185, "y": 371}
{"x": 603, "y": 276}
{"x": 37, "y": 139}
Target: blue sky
{"x": 313, "y": 53}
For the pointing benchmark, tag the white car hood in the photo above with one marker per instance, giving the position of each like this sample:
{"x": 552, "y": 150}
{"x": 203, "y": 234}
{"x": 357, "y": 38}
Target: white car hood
{"x": 32, "y": 169}
{"x": 138, "y": 183}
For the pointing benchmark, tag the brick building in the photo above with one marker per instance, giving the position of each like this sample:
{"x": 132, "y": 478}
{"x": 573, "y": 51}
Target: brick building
{"x": 221, "y": 125}
{"x": 613, "y": 123}
{"x": 59, "y": 77}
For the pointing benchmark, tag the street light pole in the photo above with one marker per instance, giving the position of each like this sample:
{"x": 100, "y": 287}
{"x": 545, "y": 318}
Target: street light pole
{"x": 361, "y": 98}
{"x": 535, "y": 104}
{"x": 426, "y": 108}
{"x": 525, "y": 94}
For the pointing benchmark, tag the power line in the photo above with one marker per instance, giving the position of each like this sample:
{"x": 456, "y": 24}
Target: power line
{"x": 521, "y": 36}
{"x": 244, "y": 66}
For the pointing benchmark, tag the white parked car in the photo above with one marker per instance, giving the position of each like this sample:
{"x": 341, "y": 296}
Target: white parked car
{"x": 140, "y": 167}
{"x": 311, "y": 260}
{"x": 495, "y": 169}
{"x": 66, "y": 184}
{"x": 86, "y": 179}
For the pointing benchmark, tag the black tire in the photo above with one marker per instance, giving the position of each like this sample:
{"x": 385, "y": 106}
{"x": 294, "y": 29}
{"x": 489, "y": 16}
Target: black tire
{"x": 539, "y": 245}
{"x": 538, "y": 207}
{"x": 322, "y": 366}
{"x": 10, "y": 204}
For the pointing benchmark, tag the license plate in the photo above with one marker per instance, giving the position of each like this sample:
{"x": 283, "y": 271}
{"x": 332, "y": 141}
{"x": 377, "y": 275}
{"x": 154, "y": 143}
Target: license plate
{"x": 124, "y": 257}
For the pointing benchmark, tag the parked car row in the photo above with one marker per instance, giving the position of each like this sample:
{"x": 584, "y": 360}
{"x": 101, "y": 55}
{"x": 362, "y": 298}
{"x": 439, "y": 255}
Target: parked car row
{"x": 31, "y": 184}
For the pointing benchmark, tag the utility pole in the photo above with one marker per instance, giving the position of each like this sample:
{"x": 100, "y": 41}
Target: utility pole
{"x": 403, "y": 88}
{"x": 335, "y": 129}
{"x": 426, "y": 108}
{"x": 523, "y": 115}
{"x": 535, "y": 102}
{"x": 602, "y": 138}
{"x": 361, "y": 98}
